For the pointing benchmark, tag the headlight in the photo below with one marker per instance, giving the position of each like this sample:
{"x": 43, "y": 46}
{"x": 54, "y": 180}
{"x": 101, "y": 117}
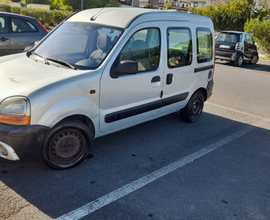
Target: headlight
{"x": 15, "y": 111}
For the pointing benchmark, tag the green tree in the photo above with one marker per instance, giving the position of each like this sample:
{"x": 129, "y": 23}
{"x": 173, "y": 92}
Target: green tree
{"x": 167, "y": 6}
{"x": 233, "y": 15}
{"x": 56, "y": 4}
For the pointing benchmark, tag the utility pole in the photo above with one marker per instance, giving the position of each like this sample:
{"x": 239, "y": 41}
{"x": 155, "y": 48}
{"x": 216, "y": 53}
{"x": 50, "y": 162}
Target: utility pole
{"x": 81, "y": 4}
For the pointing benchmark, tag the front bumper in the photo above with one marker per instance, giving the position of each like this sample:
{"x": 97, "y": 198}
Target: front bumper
{"x": 22, "y": 141}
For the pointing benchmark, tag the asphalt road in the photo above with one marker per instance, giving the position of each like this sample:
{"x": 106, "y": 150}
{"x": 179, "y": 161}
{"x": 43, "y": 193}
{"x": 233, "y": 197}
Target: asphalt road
{"x": 216, "y": 168}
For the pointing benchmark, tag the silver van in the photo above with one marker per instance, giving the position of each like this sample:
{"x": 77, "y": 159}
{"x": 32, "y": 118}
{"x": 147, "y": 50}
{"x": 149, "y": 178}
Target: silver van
{"x": 100, "y": 71}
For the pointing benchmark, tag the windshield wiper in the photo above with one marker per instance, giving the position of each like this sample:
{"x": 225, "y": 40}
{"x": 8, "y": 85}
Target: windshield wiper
{"x": 64, "y": 63}
{"x": 44, "y": 58}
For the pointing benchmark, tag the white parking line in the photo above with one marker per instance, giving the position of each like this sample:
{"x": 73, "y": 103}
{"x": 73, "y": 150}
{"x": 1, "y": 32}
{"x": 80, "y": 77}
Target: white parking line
{"x": 137, "y": 184}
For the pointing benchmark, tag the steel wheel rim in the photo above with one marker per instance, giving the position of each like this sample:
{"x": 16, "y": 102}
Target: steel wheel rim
{"x": 240, "y": 61}
{"x": 254, "y": 59}
{"x": 195, "y": 108}
{"x": 67, "y": 147}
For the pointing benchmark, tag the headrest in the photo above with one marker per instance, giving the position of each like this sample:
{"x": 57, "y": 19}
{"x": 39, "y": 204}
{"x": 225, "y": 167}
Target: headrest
{"x": 104, "y": 42}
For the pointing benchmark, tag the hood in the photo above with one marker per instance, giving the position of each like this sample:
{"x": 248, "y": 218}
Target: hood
{"x": 20, "y": 75}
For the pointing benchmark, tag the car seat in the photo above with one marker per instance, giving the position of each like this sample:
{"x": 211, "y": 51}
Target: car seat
{"x": 103, "y": 45}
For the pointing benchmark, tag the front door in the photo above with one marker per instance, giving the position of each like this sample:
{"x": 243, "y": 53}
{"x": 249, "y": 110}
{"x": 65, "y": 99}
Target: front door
{"x": 4, "y": 37}
{"x": 250, "y": 46}
{"x": 129, "y": 99}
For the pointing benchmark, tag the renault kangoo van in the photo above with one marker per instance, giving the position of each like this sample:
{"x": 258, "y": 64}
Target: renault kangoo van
{"x": 100, "y": 71}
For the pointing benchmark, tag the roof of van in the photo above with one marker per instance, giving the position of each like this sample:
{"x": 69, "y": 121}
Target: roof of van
{"x": 122, "y": 17}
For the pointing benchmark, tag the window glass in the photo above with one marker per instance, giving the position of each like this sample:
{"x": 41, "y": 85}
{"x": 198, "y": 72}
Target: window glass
{"x": 20, "y": 26}
{"x": 2, "y": 25}
{"x": 84, "y": 45}
{"x": 249, "y": 39}
{"x": 204, "y": 45}
{"x": 179, "y": 47}
{"x": 144, "y": 48}
{"x": 229, "y": 37}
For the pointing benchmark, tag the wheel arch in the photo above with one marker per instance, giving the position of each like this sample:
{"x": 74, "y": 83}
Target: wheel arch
{"x": 79, "y": 108}
{"x": 83, "y": 118}
{"x": 203, "y": 91}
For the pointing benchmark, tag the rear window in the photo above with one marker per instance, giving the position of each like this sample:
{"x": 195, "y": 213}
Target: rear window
{"x": 229, "y": 37}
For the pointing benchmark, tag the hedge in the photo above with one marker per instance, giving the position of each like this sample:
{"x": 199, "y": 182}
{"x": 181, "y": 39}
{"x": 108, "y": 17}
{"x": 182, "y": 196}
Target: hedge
{"x": 233, "y": 15}
{"x": 46, "y": 17}
{"x": 260, "y": 31}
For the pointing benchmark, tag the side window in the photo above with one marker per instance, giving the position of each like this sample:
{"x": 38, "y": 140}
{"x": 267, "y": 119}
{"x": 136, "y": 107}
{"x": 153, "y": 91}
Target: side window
{"x": 179, "y": 47}
{"x": 20, "y": 26}
{"x": 204, "y": 45}
{"x": 2, "y": 25}
{"x": 144, "y": 48}
{"x": 249, "y": 39}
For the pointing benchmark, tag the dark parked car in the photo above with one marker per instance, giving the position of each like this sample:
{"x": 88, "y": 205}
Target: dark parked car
{"x": 237, "y": 47}
{"x": 17, "y": 31}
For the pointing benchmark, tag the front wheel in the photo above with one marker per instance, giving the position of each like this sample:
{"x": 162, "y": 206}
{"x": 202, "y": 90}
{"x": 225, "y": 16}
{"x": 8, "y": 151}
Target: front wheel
{"x": 67, "y": 145}
{"x": 239, "y": 61}
{"x": 193, "y": 109}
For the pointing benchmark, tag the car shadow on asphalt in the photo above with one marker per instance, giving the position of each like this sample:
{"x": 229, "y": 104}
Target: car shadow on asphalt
{"x": 261, "y": 66}
{"x": 119, "y": 159}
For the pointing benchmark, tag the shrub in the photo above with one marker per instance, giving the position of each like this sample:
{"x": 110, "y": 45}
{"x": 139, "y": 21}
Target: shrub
{"x": 45, "y": 17}
{"x": 233, "y": 15}
{"x": 149, "y": 6}
{"x": 260, "y": 31}
{"x": 5, "y": 8}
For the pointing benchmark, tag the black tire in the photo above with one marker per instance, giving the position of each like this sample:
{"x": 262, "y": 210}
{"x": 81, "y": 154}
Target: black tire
{"x": 67, "y": 145}
{"x": 193, "y": 109}
{"x": 254, "y": 59}
{"x": 239, "y": 61}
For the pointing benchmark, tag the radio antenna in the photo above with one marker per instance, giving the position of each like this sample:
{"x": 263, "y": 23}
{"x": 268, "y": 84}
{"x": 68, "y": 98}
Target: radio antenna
{"x": 93, "y": 17}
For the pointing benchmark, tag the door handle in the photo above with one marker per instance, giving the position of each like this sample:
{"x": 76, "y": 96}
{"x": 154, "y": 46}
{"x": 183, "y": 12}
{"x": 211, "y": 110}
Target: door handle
{"x": 4, "y": 38}
{"x": 155, "y": 81}
{"x": 169, "y": 78}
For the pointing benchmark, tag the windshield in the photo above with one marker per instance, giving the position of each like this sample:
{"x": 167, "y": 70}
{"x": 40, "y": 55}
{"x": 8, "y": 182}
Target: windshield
{"x": 229, "y": 37}
{"x": 83, "y": 45}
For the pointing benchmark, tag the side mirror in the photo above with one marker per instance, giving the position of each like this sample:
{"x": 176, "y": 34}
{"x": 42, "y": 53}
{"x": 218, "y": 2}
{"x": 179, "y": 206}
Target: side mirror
{"x": 30, "y": 46}
{"x": 124, "y": 67}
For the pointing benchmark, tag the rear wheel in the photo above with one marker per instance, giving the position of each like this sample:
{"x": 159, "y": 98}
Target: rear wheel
{"x": 193, "y": 109}
{"x": 254, "y": 59}
{"x": 239, "y": 61}
{"x": 67, "y": 145}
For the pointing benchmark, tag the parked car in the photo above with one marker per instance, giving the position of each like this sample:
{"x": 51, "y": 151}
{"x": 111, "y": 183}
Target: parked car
{"x": 237, "y": 47}
{"x": 93, "y": 75}
{"x": 17, "y": 31}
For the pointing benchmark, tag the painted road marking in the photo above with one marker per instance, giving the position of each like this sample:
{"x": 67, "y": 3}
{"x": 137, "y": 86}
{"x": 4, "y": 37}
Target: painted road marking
{"x": 137, "y": 184}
